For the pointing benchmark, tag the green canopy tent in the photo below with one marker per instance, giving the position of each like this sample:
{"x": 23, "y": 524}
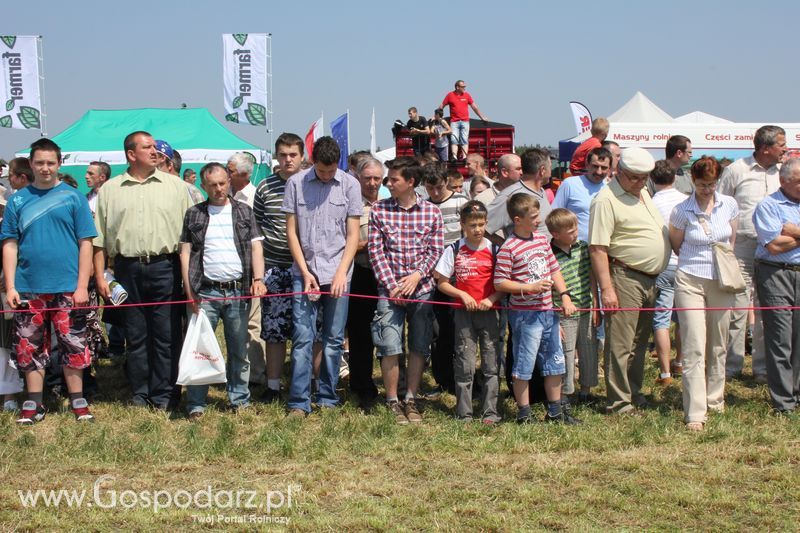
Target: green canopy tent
{"x": 195, "y": 133}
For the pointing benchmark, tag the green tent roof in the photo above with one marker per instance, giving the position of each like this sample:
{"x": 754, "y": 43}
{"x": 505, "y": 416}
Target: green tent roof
{"x": 194, "y": 132}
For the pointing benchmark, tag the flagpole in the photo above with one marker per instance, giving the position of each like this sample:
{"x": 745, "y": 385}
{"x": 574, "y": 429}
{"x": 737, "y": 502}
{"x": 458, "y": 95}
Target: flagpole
{"x": 269, "y": 93}
{"x": 41, "y": 85}
{"x": 373, "y": 142}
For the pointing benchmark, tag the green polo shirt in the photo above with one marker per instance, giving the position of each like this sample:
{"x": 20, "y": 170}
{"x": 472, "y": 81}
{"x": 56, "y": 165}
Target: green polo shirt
{"x": 141, "y": 218}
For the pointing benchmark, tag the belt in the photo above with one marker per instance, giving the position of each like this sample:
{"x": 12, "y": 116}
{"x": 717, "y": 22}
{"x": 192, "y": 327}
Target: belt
{"x": 615, "y": 261}
{"x": 782, "y": 266}
{"x": 222, "y": 285}
{"x": 147, "y": 259}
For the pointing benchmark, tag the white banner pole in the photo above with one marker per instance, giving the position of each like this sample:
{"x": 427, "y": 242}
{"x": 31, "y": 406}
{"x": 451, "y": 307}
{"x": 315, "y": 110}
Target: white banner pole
{"x": 40, "y": 55}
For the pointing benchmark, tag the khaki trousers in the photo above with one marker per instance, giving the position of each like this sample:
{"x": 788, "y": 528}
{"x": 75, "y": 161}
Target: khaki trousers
{"x": 256, "y": 349}
{"x": 627, "y": 335}
{"x": 703, "y": 336}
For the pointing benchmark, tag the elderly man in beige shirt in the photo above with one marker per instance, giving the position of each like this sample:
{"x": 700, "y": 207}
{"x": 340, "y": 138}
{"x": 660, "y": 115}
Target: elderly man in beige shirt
{"x": 749, "y": 180}
{"x": 629, "y": 248}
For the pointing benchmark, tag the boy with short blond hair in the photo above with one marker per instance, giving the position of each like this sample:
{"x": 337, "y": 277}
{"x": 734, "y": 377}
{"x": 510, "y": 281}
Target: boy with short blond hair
{"x": 470, "y": 261}
{"x": 527, "y": 270}
{"x": 579, "y": 329}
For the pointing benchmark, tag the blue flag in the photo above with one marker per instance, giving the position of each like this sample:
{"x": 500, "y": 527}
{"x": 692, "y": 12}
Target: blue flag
{"x": 339, "y": 132}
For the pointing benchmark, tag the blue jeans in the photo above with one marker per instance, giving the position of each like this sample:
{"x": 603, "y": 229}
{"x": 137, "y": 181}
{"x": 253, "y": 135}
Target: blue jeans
{"x": 460, "y": 135}
{"x": 536, "y": 338}
{"x": 304, "y": 317}
{"x": 235, "y": 315}
{"x": 665, "y": 283}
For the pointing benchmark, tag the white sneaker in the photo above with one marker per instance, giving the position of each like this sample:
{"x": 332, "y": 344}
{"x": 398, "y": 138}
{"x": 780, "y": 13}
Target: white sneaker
{"x": 344, "y": 368}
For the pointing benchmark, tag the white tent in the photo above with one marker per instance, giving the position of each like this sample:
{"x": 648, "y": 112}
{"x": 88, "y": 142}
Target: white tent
{"x": 639, "y": 109}
{"x": 640, "y": 122}
{"x": 698, "y": 117}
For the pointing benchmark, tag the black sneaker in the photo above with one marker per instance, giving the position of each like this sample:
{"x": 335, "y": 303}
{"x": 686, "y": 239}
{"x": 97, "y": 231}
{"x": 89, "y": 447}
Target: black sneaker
{"x": 563, "y": 418}
{"x": 271, "y": 396}
{"x": 585, "y": 398}
{"x": 529, "y": 419}
{"x": 433, "y": 394}
{"x": 31, "y": 413}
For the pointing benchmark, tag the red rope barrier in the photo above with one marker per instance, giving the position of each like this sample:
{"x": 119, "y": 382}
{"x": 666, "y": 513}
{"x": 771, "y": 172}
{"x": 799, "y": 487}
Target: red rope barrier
{"x": 407, "y": 300}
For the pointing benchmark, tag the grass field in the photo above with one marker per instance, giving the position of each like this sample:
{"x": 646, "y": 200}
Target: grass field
{"x": 345, "y": 470}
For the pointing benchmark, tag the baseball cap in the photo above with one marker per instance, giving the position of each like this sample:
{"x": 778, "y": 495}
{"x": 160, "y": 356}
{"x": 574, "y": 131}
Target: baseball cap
{"x": 163, "y": 147}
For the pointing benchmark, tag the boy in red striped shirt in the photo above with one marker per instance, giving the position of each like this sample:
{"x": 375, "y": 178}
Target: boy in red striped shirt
{"x": 527, "y": 270}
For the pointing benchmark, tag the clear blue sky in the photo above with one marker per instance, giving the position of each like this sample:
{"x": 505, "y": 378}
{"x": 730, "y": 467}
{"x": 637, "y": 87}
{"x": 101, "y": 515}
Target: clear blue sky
{"x": 523, "y": 61}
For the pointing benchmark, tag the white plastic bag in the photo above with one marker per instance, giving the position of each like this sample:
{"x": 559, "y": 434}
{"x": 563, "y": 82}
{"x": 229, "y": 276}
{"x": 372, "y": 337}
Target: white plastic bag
{"x": 10, "y": 382}
{"x": 201, "y": 360}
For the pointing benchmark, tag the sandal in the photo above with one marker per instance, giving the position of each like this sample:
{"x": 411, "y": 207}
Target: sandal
{"x": 694, "y": 426}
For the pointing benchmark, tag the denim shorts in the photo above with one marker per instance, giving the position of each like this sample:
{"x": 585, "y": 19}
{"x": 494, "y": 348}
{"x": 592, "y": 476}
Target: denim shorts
{"x": 460, "y": 135}
{"x": 536, "y": 337}
{"x": 388, "y": 325}
{"x": 665, "y": 283}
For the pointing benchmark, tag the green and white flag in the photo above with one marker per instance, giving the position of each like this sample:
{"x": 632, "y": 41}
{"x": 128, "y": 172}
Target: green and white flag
{"x": 245, "y": 78}
{"x": 20, "y": 102}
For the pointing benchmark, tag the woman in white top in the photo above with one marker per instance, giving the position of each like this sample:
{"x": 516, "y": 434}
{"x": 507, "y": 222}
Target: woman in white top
{"x": 704, "y": 218}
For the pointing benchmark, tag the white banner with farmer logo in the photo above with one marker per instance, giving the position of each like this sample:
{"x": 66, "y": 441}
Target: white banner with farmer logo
{"x": 245, "y": 77}
{"x": 20, "y": 104}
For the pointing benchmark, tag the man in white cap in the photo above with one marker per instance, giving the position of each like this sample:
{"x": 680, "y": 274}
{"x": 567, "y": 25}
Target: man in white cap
{"x": 629, "y": 248}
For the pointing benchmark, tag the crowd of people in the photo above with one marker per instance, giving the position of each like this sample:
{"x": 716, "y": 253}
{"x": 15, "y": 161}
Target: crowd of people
{"x": 443, "y": 272}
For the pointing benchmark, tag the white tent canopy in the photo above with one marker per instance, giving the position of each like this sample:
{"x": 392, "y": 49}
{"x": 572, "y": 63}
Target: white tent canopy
{"x": 640, "y": 122}
{"x": 698, "y": 117}
{"x": 639, "y": 109}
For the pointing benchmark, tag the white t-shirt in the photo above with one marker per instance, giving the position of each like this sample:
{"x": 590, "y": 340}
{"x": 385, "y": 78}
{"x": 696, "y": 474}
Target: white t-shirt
{"x": 666, "y": 200}
{"x": 221, "y": 261}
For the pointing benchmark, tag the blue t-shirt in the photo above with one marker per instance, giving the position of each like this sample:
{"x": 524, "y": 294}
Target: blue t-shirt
{"x": 576, "y": 194}
{"x": 47, "y": 224}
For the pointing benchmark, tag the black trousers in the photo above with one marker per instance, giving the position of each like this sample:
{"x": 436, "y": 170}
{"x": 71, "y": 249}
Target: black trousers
{"x": 443, "y": 345}
{"x": 153, "y": 333}
{"x": 359, "y": 318}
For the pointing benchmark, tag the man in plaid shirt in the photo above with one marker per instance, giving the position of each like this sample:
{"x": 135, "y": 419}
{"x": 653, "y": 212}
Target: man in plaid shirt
{"x": 405, "y": 242}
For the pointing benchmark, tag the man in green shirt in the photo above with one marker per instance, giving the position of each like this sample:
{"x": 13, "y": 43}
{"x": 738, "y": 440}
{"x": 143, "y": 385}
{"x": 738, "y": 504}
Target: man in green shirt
{"x": 139, "y": 220}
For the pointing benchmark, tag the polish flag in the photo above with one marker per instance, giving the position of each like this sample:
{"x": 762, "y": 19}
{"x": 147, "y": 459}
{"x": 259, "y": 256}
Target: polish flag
{"x": 314, "y": 133}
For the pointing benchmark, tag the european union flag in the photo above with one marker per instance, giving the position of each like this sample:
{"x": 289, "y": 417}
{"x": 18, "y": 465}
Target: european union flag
{"x": 339, "y": 132}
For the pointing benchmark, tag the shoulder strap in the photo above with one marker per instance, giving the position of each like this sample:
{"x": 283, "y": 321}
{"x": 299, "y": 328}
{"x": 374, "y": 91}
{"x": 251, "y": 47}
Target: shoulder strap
{"x": 454, "y": 246}
{"x": 704, "y": 224}
{"x": 495, "y": 249}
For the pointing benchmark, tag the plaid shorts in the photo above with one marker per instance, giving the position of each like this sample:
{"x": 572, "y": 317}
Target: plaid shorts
{"x": 30, "y": 345}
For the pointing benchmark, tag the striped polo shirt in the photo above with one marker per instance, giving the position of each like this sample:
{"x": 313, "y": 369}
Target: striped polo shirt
{"x": 451, "y": 216}
{"x": 526, "y": 261}
{"x": 575, "y": 268}
{"x": 267, "y": 209}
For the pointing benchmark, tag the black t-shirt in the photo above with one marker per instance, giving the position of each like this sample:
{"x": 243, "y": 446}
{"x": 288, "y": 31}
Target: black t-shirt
{"x": 420, "y": 141}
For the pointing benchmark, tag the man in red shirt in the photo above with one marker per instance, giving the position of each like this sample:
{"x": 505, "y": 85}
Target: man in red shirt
{"x": 577, "y": 165}
{"x": 460, "y": 101}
